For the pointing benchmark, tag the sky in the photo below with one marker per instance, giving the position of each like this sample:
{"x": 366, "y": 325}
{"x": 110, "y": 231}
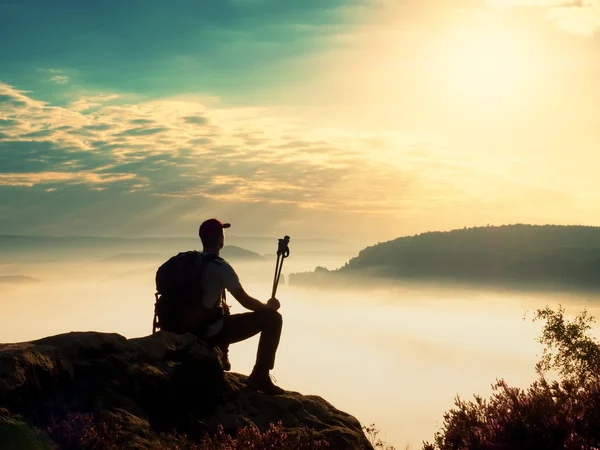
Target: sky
{"x": 356, "y": 120}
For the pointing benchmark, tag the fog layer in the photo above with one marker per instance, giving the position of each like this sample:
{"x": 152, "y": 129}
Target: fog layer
{"x": 395, "y": 356}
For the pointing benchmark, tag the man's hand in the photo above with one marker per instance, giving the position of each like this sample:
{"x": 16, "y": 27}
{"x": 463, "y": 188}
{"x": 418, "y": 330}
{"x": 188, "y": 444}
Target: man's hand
{"x": 274, "y": 304}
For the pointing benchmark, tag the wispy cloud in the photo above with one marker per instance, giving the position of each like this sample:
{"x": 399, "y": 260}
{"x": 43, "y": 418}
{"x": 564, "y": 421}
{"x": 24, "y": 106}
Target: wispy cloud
{"x": 84, "y": 103}
{"x": 147, "y": 160}
{"x": 184, "y": 149}
{"x": 196, "y": 120}
{"x": 60, "y": 79}
{"x": 538, "y": 3}
{"x": 35, "y": 178}
{"x": 580, "y": 17}
{"x": 57, "y": 76}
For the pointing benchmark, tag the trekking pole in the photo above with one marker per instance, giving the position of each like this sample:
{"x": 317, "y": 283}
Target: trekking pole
{"x": 283, "y": 251}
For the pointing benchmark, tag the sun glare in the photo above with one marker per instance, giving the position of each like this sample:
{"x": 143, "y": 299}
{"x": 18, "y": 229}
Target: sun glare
{"x": 482, "y": 60}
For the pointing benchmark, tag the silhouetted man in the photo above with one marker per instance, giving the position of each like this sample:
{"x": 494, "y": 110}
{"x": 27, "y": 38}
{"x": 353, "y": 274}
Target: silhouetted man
{"x": 219, "y": 276}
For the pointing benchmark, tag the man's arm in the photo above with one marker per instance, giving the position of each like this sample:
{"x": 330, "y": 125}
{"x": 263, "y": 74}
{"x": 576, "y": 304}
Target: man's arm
{"x": 233, "y": 285}
{"x": 246, "y": 301}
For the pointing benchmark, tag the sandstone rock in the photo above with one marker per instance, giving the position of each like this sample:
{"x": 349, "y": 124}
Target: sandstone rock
{"x": 151, "y": 385}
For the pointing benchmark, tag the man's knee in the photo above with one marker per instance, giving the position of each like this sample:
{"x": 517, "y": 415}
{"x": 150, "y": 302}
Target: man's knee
{"x": 273, "y": 318}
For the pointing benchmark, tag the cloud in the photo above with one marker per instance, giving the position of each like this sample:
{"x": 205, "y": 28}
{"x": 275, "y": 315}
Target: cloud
{"x": 536, "y": 3}
{"x": 56, "y": 76}
{"x": 11, "y": 100}
{"x": 196, "y": 120}
{"x": 8, "y": 122}
{"x": 39, "y": 133}
{"x": 43, "y": 155}
{"x": 60, "y": 79}
{"x": 238, "y": 154}
{"x": 141, "y": 131}
{"x": 149, "y": 156}
{"x": 142, "y": 122}
{"x": 580, "y": 17}
{"x": 200, "y": 141}
{"x": 37, "y": 178}
{"x": 93, "y": 101}
{"x": 98, "y": 127}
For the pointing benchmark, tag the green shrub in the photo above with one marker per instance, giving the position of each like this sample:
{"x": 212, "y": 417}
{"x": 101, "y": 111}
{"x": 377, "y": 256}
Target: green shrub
{"x": 558, "y": 414}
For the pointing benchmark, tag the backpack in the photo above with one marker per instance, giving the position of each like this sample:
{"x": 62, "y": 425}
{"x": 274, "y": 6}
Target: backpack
{"x": 178, "y": 289}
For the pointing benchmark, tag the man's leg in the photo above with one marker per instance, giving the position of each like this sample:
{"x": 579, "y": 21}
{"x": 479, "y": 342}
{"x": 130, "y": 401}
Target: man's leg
{"x": 239, "y": 327}
{"x": 225, "y": 347}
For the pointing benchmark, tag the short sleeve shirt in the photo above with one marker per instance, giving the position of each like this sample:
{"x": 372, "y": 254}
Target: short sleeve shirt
{"x": 217, "y": 276}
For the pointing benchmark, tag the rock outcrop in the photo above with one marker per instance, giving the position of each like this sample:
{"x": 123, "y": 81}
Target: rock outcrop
{"x": 163, "y": 383}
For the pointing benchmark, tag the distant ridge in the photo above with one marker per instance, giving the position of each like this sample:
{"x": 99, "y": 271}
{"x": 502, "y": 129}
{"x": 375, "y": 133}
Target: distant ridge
{"x": 18, "y": 279}
{"x": 552, "y": 255}
{"x": 94, "y": 248}
{"x": 229, "y": 252}
{"x": 238, "y": 253}
{"x": 132, "y": 257}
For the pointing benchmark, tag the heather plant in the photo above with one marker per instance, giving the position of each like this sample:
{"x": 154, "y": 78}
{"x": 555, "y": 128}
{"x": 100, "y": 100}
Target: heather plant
{"x": 250, "y": 438}
{"x": 86, "y": 431}
{"x": 90, "y": 431}
{"x": 553, "y": 414}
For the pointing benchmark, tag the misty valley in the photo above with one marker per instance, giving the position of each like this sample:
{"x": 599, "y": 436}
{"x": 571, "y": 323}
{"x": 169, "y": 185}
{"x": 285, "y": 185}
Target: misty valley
{"x": 396, "y": 353}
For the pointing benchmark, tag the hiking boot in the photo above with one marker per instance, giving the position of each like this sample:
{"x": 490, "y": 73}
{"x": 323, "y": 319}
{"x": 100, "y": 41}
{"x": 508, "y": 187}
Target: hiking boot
{"x": 264, "y": 382}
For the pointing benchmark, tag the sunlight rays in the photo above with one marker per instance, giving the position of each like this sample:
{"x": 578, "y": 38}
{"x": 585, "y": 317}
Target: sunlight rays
{"x": 484, "y": 60}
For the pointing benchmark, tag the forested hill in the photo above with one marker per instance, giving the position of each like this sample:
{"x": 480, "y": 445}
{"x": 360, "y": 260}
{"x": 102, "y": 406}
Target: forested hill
{"x": 513, "y": 253}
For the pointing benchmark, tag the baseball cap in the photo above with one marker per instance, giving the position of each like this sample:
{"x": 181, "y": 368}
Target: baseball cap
{"x": 212, "y": 227}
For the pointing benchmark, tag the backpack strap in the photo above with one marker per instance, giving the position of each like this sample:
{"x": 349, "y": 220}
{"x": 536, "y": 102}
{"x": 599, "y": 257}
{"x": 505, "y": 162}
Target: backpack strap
{"x": 213, "y": 257}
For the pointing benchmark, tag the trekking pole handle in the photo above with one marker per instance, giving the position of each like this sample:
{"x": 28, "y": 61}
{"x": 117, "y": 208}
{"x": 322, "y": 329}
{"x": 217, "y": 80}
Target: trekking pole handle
{"x": 283, "y": 248}
{"x": 283, "y": 251}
